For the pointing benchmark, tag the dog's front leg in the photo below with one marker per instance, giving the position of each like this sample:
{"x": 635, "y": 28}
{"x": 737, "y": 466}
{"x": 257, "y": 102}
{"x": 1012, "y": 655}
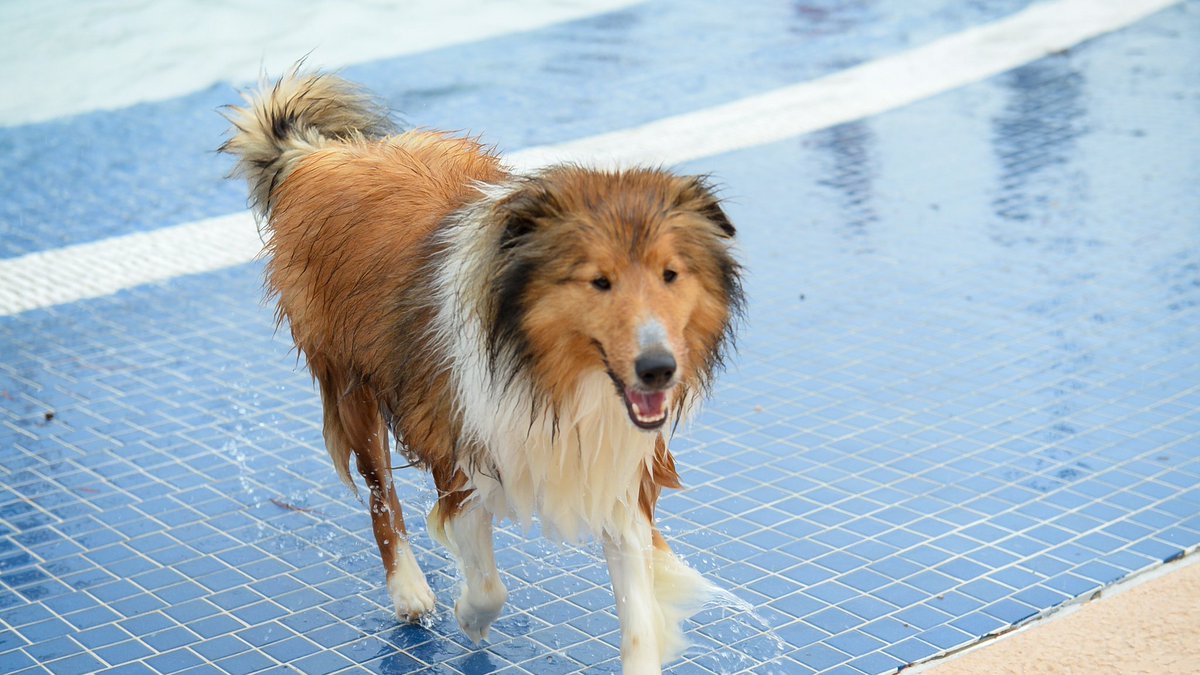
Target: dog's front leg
{"x": 468, "y": 536}
{"x": 630, "y": 563}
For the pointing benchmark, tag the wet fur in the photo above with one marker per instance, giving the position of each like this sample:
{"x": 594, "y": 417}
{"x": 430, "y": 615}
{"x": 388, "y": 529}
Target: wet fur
{"x": 440, "y": 297}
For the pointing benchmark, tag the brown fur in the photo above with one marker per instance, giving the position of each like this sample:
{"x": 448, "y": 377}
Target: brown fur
{"x": 654, "y": 481}
{"x": 345, "y": 265}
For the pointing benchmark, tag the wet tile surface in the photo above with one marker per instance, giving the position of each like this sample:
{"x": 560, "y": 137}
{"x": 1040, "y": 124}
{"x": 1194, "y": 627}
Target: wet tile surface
{"x": 966, "y": 393}
{"x": 114, "y": 172}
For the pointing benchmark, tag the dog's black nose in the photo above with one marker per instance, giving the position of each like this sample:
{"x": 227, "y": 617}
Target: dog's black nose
{"x": 655, "y": 369}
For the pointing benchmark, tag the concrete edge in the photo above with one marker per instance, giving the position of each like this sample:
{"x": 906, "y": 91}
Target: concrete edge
{"x": 1184, "y": 559}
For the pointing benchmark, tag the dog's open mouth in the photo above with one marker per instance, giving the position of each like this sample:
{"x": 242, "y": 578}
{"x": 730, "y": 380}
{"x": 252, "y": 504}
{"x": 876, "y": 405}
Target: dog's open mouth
{"x": 647, "y": 409}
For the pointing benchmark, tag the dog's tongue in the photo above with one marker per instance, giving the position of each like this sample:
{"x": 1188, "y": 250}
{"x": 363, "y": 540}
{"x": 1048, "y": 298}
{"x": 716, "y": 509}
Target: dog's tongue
{"x": 647, "y": 405}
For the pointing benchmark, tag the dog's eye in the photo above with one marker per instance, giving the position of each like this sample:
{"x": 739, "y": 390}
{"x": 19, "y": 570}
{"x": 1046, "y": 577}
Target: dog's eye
{"x": 669, "y": 275}
{"x": 602, "y": 283}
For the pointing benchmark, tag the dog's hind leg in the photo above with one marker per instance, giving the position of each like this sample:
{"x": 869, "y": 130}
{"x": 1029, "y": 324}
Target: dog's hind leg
{"x": 361, "y": 428}
{"x": 465, "y": 529}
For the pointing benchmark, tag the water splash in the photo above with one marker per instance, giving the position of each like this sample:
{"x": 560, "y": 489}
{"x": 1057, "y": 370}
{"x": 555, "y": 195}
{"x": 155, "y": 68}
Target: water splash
{"x": 233, "y": 450}
{"x": 739, "y": 637}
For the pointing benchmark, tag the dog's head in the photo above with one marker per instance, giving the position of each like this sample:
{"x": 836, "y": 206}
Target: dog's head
{"x": 625, "y": 272}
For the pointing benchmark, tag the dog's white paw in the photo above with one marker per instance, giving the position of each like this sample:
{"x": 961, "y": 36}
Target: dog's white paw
{"x": 476, "y": 611}
{"x": 411, "y": 595}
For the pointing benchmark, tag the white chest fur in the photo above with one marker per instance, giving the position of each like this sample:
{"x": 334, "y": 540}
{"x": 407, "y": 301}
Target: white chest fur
{"x": 582, "y": 480}
{"x": 582, "y": 477}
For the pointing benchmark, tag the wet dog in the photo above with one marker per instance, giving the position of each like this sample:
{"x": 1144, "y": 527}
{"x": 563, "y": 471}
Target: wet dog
{"x": 526, "y": 338}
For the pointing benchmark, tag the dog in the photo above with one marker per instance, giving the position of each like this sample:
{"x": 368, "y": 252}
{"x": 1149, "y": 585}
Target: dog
{"x": 526, "y": 338}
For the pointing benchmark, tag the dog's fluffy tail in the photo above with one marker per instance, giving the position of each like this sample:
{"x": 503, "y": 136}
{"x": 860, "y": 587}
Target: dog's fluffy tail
{"x": 282, "y": 123}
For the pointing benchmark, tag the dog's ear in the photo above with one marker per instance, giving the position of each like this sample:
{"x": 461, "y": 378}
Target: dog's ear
{"x": 516, "y": 227}
{"x": 524, "y": 209}
{"x": 699, "y": 195}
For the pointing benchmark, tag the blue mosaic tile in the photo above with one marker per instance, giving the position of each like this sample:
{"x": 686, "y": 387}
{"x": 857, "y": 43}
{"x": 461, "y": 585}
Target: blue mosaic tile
{"x": 246, "y": 662}
{"x": 867, "y": 607}
{"x": 91, "y": 617}
{"x": 1040, "y": 596}
{"x": 203, "y": 669}
{"x": 911, "y": 650}
{"x": 1071, "y": 585}
{"x": 819, "y": 657}
{"x": 69, "y": 603}
{"x": 290, "y": 648}
{"x": 855, "y": 643}
{"x": 219, "y": 647}
{"x": 79, "y": 663}
{"x": 321, "y": 663}
{"x": 876, "y": 662}
{"x": 44, "y": 630}
{"x": 50, "y": 650}
{"x": 132, "y": 669}
{"x": 17, "y": 661}
{"x": 173, "y": 661}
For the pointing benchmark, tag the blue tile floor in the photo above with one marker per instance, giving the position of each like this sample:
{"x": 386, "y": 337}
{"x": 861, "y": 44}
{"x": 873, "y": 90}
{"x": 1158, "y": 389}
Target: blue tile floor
{"x": 966, "y": 393}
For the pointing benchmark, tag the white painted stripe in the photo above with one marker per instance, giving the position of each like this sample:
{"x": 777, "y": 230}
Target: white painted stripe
{"x": 63, "y": 57}
{"x": 871, "y": 88}
{"x": 104, "y": 267}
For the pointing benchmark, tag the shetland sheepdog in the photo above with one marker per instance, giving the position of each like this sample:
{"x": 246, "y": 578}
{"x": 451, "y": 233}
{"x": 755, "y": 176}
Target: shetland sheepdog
{"x": 526, "y": 338}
